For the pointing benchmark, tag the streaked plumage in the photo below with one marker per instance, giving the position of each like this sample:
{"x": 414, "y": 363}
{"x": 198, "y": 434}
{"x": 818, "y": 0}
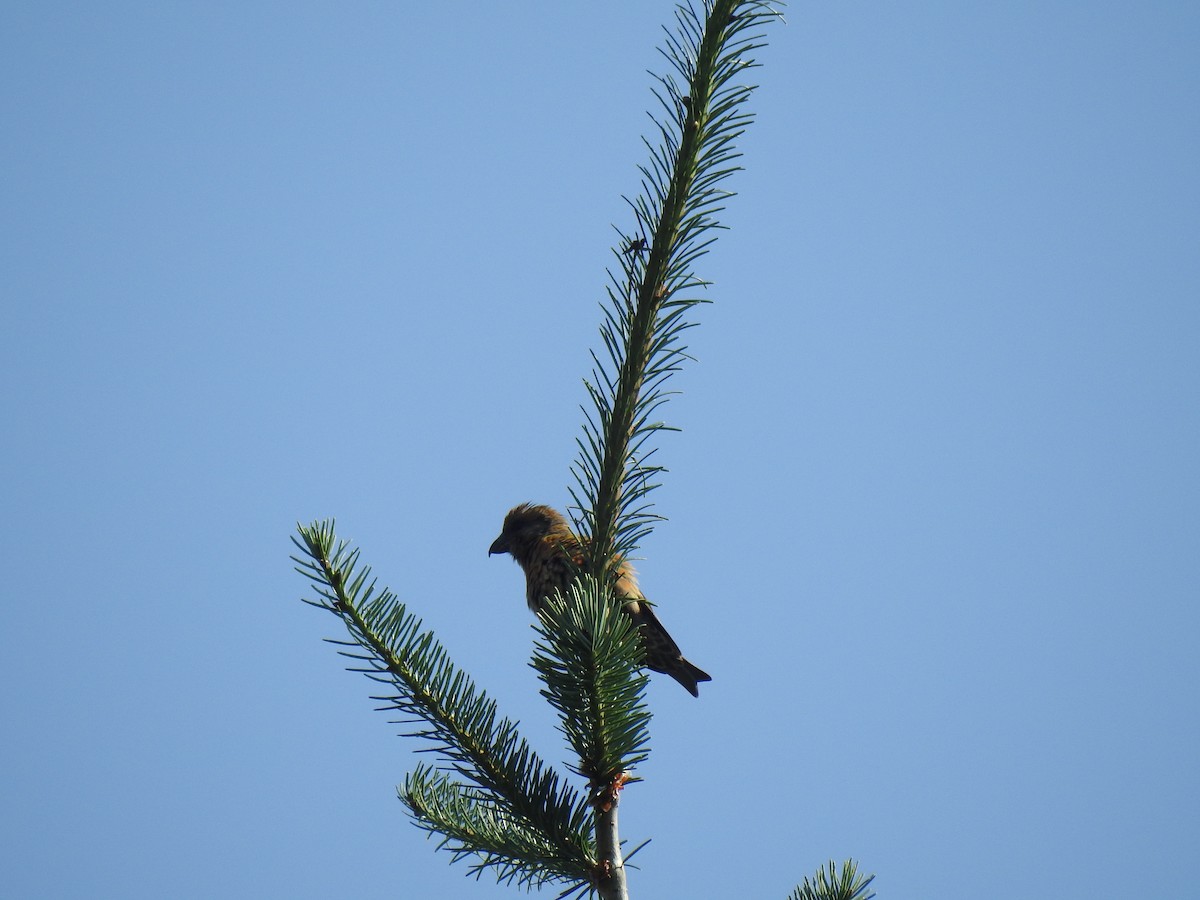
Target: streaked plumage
{"x": 542, "y": 543}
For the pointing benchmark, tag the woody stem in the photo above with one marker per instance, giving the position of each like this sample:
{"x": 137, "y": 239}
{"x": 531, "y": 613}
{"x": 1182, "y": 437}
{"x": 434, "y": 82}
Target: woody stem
{"x": 610, "y": 868}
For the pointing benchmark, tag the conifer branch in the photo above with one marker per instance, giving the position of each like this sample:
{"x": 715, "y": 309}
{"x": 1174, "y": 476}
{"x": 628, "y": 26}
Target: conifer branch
{"x": 702, "y": 114}
{"x": 831, "y": 884}
{"x": 473, "y": 826}
{"x": 504, "y": 779}
{"x": 589, "y": 657}
{"x": 492, "y": 800}
{"x": 641, "y": 330}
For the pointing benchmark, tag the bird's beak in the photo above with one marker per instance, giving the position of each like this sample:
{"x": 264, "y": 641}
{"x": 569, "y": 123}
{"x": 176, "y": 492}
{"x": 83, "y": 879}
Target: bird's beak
{"x": 499, "y": 545}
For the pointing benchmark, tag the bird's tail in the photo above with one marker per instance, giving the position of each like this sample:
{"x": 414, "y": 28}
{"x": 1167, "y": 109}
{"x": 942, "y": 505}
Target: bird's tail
{"x": 688, "y": 675}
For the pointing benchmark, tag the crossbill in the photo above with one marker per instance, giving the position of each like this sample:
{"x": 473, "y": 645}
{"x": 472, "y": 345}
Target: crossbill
{"x": 541, "y": 542}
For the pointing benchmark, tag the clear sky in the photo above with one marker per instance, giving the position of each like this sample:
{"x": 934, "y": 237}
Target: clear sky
{"x": 934, "y": 515}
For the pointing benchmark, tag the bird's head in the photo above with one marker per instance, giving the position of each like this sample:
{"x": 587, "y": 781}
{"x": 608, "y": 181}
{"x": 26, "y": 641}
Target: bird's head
{"x": 524, "y": 526}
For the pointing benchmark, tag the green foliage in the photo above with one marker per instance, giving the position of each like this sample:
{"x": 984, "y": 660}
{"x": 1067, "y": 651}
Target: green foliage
{"x": 588, "y": 656}
{"x": 702, "y": 112}
{"x": 477, "y": 826}
{"x": 503, "y": 805}
{"x": 829, "y": 884}
{"x": 488, "y": 797}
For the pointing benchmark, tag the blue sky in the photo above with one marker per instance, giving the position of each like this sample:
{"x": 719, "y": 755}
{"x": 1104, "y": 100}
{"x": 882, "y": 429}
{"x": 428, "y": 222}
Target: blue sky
{"x": 932, "y": 519}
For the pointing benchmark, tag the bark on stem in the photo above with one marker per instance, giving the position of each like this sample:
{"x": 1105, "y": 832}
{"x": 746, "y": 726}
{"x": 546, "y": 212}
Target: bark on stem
{"x": 610, "y": 867}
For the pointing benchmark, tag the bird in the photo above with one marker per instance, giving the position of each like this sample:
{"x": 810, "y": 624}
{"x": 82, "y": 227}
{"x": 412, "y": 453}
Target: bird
{"x": 549, "y": 553}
